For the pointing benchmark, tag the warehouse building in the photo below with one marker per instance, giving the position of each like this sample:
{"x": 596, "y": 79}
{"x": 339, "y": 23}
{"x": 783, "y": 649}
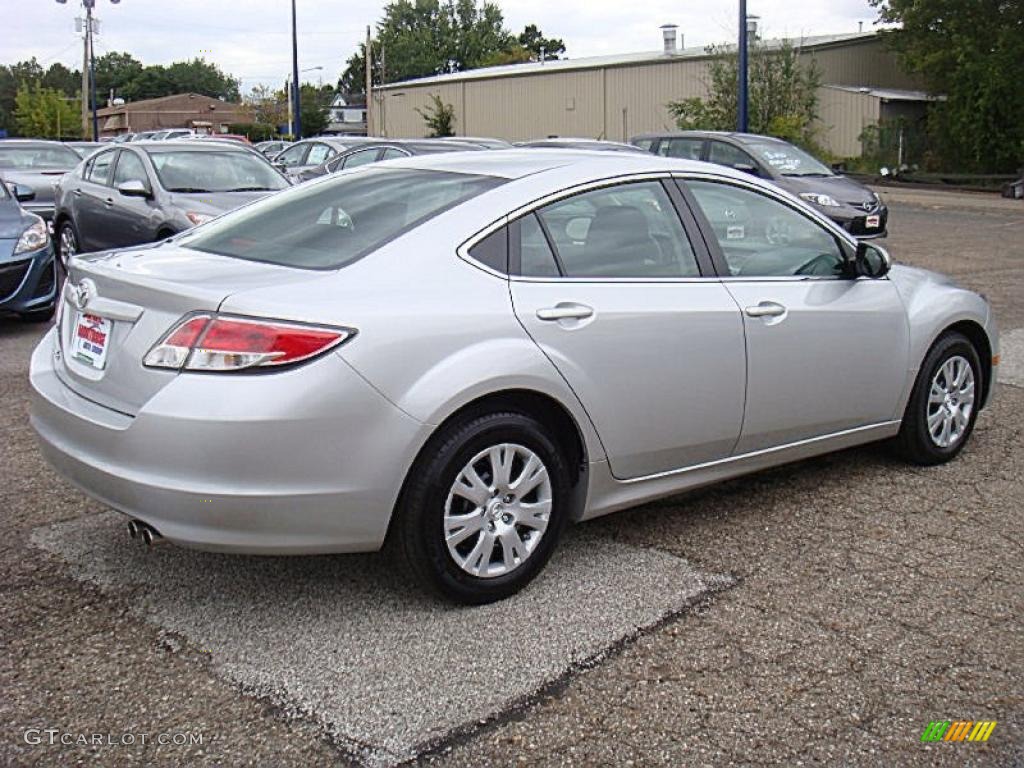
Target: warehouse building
{"x": 615, "y": 97}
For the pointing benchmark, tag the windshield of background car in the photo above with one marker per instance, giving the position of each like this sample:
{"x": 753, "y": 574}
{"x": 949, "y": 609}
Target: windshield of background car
{"x": 786, "y": 159}
{"x": 332, "y": 224}
{"x": 202, "y": 171}
{"x": 38, "y": 157}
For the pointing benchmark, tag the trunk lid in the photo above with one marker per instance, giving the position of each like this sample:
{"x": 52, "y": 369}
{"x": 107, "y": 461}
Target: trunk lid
{"x": 142, "y": 294}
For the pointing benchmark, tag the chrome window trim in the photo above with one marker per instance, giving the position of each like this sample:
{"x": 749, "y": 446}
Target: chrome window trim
{"x": 794, "y": 204}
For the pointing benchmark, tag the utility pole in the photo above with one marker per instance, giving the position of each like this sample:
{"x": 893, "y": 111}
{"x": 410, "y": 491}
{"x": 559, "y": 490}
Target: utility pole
{"x": 368, "y": 66}
{"x": 92, "y": 68}
{"x": 89, "y": 67}
{"x": 741, "y": 111}
{"x": 297, "y": 109}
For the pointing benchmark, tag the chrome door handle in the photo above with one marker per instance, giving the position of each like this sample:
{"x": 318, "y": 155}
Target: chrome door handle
{"x": 78, "y": 193}
{"x": 766, "y": 309}
{"x": 566, "y": 311}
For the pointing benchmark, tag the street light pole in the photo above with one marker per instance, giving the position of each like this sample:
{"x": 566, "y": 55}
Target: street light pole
{"x": 297, "y": 108}
{"x": 741, "y": 111}
{"x": 92, "y": 68}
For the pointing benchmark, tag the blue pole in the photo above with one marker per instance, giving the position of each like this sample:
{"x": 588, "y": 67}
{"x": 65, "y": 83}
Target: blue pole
{"x": 296, "y": 88}
{"x": 741, "y": 111}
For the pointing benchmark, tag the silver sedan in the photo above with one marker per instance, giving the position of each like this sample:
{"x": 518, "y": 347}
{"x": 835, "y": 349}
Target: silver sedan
{"x": 457, "y": 355}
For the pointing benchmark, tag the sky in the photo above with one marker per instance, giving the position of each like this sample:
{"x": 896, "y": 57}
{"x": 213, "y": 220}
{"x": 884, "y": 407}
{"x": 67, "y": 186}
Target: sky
{"x": 251, "y": 39}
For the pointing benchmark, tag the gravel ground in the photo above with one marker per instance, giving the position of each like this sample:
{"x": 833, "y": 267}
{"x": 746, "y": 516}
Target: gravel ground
{"x": 870, "y": 598}
{"x": 295, "y": 630}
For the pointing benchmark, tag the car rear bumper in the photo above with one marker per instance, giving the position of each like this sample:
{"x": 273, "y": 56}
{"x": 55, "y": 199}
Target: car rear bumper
{"x": 262, "y": 464}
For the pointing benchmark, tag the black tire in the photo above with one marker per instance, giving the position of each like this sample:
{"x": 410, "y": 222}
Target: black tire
{"x": 914, "y": 442}
{"x": 62, "y": 257}
{"x": 417, "y": 536}
{"x": 39, "y": 315}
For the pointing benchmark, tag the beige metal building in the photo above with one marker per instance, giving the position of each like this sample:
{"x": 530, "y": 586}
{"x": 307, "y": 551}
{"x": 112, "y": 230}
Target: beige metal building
{"x": 615, "y": 97}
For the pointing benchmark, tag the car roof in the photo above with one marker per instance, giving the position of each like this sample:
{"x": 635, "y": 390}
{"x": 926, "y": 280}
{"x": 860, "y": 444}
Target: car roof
{"x": 194, "y": 146}
{"x": 518, "y": 163}
{"x": 734, "y": 135}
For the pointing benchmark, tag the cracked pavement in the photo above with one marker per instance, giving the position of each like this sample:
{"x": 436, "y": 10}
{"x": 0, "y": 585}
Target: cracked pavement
{"x": 870, "y": 598}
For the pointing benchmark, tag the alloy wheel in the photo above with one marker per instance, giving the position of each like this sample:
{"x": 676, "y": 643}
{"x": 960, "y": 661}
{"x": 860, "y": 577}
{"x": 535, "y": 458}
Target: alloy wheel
{"x": 497, "y": 510}
{"x": 950, "y": 402}
{"x": 67, "y": 244}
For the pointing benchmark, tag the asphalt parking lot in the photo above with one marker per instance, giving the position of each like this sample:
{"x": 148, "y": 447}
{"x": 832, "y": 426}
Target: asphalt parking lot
{"x": 820, "y": 613}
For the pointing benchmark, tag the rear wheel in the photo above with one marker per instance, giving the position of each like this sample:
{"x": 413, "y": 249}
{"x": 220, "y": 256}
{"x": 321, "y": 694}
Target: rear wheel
{"x": 944, "y": 404}
{"x": 484, "y": 507}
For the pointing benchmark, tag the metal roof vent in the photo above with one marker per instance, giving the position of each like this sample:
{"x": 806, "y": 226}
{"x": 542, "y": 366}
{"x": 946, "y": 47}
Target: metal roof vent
{"x": 668, "y": 37}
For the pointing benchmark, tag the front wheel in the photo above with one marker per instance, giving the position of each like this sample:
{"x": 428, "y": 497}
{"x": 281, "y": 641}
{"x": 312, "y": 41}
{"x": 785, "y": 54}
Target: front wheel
{"x": 944, "y": 403}
{"x": 484, "y": 507}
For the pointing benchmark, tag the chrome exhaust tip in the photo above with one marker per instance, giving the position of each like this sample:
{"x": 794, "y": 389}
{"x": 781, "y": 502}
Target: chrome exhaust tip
{"x": 150, "y": 536}
{"x": 134, "y": 529}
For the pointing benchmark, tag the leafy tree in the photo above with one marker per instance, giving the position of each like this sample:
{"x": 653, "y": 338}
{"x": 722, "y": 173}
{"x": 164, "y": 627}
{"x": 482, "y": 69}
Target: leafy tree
{"x": 314, "y": 104}
{"x": 266, "y": 106}
{"x": 195, "y": 76}
{"x": 46, "y": 113}
{"x": 60, "y": 78}
{"x": 533, "y": 40}
{"x": 439, "y": 117}
{"x": 782, "y": 94}
{"x": 114, "y": 72}
{"x": 970, "y": 51}
{"x": 419, "y": 38}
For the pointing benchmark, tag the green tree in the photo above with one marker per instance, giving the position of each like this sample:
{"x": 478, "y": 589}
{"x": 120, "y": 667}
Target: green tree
{"x": 195, "y": 76}
{"x": 12, "y": 78}
{"x": 314, "y": 104}
{"x": 439, "y": 117}
{"x": 970, "y": 51}
{"x": 46, "y": 113}
{"x": 266, "y": 106}
{"x": 419, "y": 38}
{"x": 114, "y": 72}
{"x": 782, "y": 94}
{"x": 533, "y": 40}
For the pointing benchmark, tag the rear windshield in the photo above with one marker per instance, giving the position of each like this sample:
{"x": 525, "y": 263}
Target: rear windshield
{"x": 228, "y": 171}
{"x": 38, "y": 157}
{"x": 331, "y": 224}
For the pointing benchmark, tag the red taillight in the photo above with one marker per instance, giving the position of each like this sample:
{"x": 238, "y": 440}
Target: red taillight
{"x": 226, "y": 343}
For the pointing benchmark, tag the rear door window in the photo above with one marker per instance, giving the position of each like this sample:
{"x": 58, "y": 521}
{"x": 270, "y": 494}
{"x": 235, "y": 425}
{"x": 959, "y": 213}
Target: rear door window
{"x": 98, "y": 169}
{"x": 728, "y": 155}
{"x": 686, "y": 148}
{"x": 318, "y": 153}
{"x": 626, "y": 230}
{"x": 292, "y": 156}
{"x": 362, "y": 157}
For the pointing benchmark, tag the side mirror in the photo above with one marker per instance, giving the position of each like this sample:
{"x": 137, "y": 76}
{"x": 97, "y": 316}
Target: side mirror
{"x": 872, "y": 261}
{"x": 746, "y": 168}
{"x": 135, "y": 188}
{"x": 22, "y": 193}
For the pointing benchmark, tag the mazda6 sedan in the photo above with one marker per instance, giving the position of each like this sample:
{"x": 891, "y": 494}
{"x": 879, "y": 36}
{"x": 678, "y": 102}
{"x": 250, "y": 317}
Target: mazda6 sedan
{"x": 457, "y": 355}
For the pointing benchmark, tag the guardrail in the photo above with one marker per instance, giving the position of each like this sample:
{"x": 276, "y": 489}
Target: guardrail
{"x": 956, "y": 182}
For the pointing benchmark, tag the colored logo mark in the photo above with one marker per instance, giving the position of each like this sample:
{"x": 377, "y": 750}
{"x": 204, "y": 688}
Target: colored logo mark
{"x": 958, "y": 730}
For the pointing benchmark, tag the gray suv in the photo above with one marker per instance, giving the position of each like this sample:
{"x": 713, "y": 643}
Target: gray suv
{"x": 139, "y": 193}
{"x": 849, "y": 203}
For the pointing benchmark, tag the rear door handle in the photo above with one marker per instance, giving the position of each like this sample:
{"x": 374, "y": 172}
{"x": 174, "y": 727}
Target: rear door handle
{"x": 766, "y": 309}
{"x": 109, "y": 202}
{"x": 566, "y": 311}
{"x": 78, "y": 193}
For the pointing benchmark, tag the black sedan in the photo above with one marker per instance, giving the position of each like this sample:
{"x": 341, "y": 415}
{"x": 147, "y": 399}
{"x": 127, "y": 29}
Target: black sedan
{"x": 386, "y": 150}
{"x": 849, "y": 203}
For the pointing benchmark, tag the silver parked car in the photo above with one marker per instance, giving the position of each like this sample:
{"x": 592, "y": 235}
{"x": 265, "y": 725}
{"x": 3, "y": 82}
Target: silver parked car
{"x": 461, "y": 353}
{"x": 129, "y": 194}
